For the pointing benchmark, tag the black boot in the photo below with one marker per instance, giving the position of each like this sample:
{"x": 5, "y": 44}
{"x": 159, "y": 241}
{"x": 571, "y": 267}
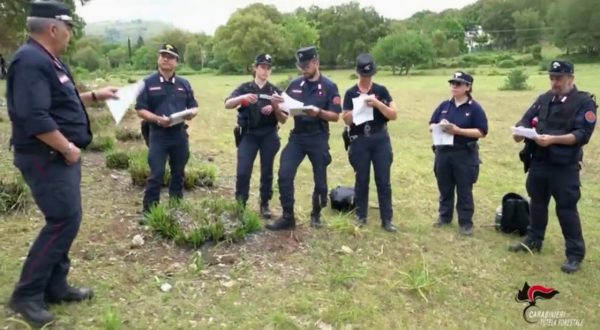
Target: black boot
{"x": 529, "y": 244}
{"x": 361, "y": 222}
{"x": 286, "y": 222}
{"x": 439, "y": 223}
{"x": 33, "y": 311}
{"x": 72, "y": 294}
{"x": 571, "y": 266}
{"x": 388, "y": 226}
{"x": 466, "y": 230}
{"x": 265, "y": 212}
{"x": 315, "y": 218}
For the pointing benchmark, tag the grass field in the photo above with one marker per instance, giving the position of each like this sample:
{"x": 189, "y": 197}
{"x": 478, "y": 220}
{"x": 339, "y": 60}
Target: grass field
{"x": 337, "y": 277}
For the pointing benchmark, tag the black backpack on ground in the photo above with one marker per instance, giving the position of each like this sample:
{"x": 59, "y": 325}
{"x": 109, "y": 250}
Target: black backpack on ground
{"x": 342, "y": 198}
{"x": 514, "y": 214}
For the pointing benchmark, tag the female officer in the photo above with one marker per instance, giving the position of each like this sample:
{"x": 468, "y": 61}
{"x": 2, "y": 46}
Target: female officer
{"x": 457, "y": 165}
{"x": 258, "y": 114}
{"x": 371, "y": 142}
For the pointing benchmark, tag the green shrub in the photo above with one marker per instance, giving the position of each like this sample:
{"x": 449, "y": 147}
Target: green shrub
{"x": 139, "y": 170}
{"x": 126, "y": 134}
{"x": 13, "y": 194}
{"x": 101, "y": 121}
{"x": 504, "y": 57}
{"x": 203, "y": 175}
{"x": 536, "y": 52}
{"x": 353, "y": 76}
{"x": 118, "y": 160}
{"x": 506, "y": 64}
{"x": 526, "y": 60}
{"x": 516, "y": 81}
{"x": 101, "y": 144}
{"x": 195, "y": 223}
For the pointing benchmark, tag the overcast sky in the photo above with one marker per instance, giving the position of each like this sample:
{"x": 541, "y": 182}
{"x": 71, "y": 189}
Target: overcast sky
{"x": 206, "y": 16}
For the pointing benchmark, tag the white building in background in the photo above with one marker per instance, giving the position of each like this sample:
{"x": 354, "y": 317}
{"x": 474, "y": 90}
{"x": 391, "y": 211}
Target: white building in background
{"x": 477, "y": 38}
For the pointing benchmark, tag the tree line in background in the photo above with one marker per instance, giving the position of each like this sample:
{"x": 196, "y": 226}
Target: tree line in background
{"x": 343, "y": 31}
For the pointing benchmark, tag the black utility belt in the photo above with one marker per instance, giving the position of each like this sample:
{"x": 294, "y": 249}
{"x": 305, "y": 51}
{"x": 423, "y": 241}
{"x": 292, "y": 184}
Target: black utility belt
{"x": 174, "y": 128}
{"x": 456, "y": 147}
{"x": 33, "y": 149}
{"x": 309, "y": 129}
{"x": 260, "y": 129}
{"x": 367, "y": 130}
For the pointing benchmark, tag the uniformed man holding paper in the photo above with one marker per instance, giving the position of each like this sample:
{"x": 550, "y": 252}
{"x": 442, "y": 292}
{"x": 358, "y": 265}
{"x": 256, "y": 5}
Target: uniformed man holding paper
{"x": 162, "y": 103}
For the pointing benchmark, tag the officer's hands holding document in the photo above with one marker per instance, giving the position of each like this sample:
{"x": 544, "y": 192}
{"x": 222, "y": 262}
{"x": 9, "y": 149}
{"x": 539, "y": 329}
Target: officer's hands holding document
{"x": 448, "y": 127}
{"x": 520, "y": 133}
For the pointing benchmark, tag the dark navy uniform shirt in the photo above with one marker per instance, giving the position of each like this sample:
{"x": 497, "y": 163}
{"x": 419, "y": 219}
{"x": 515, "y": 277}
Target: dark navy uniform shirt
{"x": 585, "y": 117}
{"x": 467, "y": 115}
{"x": 42, "y": 98}
{"x": 250, "y": 116}
{"x": 322, "y": 93}
{"x": 165, "y": 97}
{"x": 380, "y": 92}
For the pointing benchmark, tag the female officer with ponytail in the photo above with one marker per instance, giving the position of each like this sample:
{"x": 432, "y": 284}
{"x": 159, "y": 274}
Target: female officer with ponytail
{"x": 371, "y": 142}
{"x": 457, "y": 166}
{"x": 258, "y": 116}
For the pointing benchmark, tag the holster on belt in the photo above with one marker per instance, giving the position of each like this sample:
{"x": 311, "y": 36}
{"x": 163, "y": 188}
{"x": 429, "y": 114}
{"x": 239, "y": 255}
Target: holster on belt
{"x": 238, "y": 133}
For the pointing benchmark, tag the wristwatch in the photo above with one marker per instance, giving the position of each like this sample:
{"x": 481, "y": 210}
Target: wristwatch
{"x": 94, "y": 96}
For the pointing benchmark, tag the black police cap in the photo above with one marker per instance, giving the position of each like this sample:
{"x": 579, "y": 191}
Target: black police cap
{"x": 169, "y": 49}
{"x": 559, "y": 68}
{"x": 263, "y": 59}
{"x": 461, "y": 77}
{"x": 306, "y": 54}
{"x": 51, "y": 9}
{"x": 365, "y": 65}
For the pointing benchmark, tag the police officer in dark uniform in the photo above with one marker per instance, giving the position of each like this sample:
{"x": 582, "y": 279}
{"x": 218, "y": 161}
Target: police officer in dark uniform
{"x": 256, "y": 131}
{"x": 163, "y": 95}
{"x": 564, "y": 118}
{"x": 371, "y": 142}
{"x": 310, "y": 136}
{"x": 456, "y": 166}
{"x": 49, "y": 126}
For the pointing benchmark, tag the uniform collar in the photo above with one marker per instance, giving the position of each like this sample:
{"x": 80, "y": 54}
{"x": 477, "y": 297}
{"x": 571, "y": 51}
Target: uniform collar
{"x": 469, "y": 101}
{"x": 564, "y": 98}
{"x": 318, "y": 82}
{"x": 163, "y": 79}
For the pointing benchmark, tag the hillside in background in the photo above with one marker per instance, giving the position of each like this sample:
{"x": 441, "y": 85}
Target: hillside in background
{"x": 119, "y": 31}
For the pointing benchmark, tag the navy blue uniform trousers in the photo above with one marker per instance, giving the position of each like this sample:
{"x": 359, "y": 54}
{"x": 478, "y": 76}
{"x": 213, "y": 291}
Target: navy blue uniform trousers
{"x": 175, "y": 148}
{"x": 268, "y": 145}
{"x": 562, "y": 183}
{"x": 363, "y": 151}
{"x": 55, "y": 187}
{"x": 456, "y": 170}
{"x": 316, "y": 147}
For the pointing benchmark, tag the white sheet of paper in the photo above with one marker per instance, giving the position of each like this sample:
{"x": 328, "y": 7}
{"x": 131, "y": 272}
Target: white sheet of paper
{"x": 529, "y": 133}
{"x": 179, "y": 117}
{"x": 361, "y": 112}
{"x": 293, "y": 107}
{"x": 440, "y": 138}
{"x": 127, "y": 95}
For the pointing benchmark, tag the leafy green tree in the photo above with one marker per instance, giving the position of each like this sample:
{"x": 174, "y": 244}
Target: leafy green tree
{"x": 402, "y": 51}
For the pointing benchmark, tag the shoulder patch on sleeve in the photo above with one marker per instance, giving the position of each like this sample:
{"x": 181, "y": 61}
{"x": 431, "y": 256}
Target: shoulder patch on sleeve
{"x": 337, "y": 100}
{"x": 590, "y": 116}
